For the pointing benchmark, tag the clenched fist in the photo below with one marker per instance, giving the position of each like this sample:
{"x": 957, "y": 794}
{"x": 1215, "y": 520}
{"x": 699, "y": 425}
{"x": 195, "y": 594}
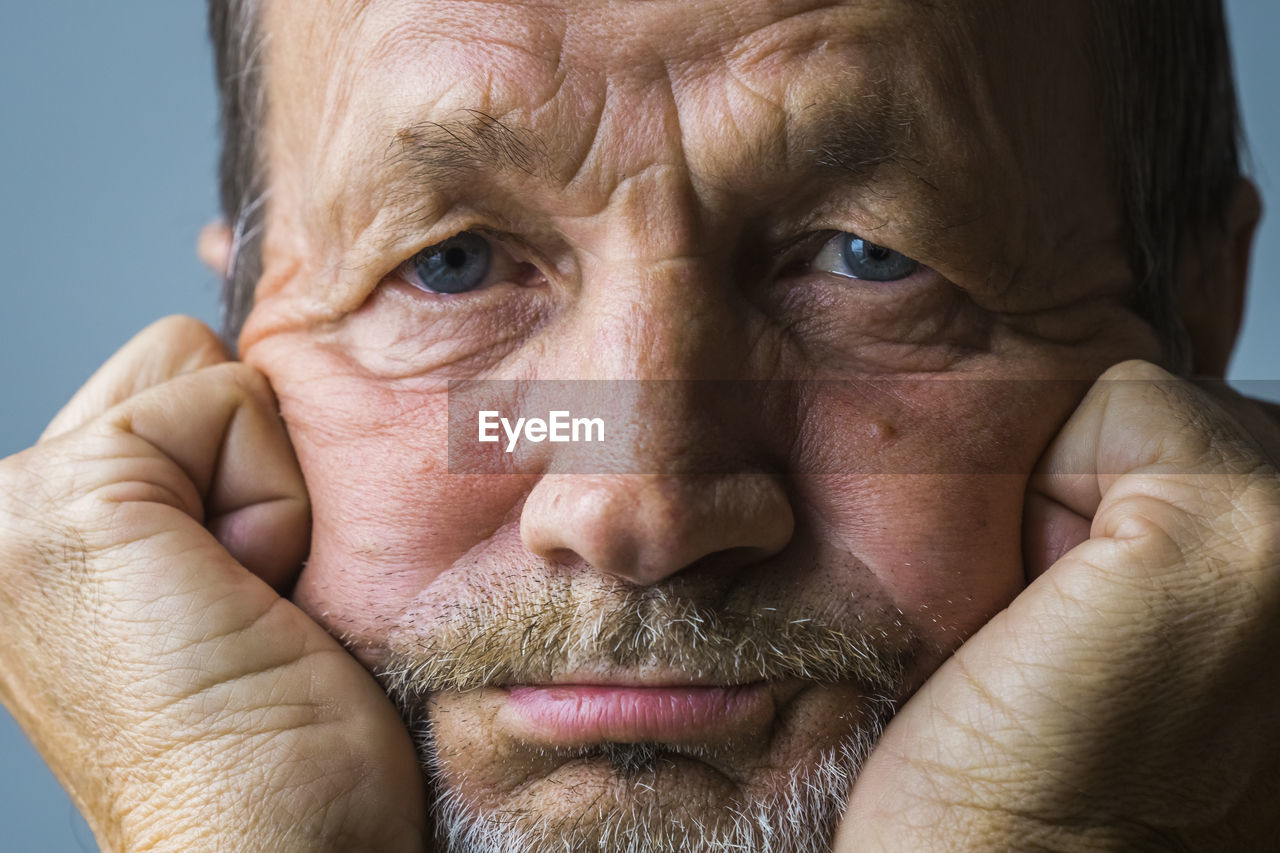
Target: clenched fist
{"x": 1129, "y": 699}
{"x": 182, "y": 702}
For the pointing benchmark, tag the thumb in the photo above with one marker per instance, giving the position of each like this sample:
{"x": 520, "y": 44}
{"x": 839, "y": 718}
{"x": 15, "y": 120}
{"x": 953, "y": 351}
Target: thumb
{"x": 233, "y": 468}
{"x": 1137, "y": 418}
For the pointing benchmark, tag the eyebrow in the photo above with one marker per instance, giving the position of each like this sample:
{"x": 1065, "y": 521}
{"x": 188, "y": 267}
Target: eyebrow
{"x": 855, "y": 139}
{"x": 438, "y": 152}
{"x": 852, "y": 139}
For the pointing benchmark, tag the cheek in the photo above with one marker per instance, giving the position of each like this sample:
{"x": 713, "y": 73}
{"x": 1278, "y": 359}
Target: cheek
{"x": 943, "y": 549}
{"x": 923, "y": 485}
{"x": 388, "y": 516}
{"x": 910, "y": 492}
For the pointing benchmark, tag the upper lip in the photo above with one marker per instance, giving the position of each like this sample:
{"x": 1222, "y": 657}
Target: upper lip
{"x": 645, "y": 678}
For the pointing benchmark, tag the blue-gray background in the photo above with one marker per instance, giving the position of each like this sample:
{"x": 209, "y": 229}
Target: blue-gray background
{"x": 107, "y": 152}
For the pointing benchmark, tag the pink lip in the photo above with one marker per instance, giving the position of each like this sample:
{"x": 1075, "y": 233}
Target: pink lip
{"x": 568, "y": 714}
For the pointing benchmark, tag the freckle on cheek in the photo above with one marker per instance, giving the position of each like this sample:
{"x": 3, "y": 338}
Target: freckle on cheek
{"x": 880, "y": 431}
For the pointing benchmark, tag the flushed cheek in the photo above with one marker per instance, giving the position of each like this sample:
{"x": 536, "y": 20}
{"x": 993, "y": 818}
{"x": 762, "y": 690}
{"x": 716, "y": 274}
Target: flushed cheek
{"x": 388, "y": 516}
{"x": 387, "y": 524}
{"x": 945, "y": 549}
{"x": 923, "y": 483}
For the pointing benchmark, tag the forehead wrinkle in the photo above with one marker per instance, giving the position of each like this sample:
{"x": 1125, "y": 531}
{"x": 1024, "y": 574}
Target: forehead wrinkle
{"x": 330, "y": 52}
{"x": 474, "y": 148}
{"x": 844, "y": 127}
{"x": 636, "y": 174}
{"x": 462, "y": 135}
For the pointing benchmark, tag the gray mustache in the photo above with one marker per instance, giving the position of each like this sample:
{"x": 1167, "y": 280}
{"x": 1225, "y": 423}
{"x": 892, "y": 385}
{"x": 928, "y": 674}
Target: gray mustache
{"x": 538, "y": 639}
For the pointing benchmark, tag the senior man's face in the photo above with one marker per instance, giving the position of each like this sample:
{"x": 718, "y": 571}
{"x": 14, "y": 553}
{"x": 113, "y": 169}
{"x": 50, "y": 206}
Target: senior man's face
{"x": 893, "y": 217}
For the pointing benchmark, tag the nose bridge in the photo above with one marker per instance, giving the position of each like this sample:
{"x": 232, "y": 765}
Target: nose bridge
{"x": 666, "y": 319}
{"x": 683, "y": 477}
{"x": 659, "y": 317}
{"x": 665, "y": 427}
{"x": 657, "y": 300}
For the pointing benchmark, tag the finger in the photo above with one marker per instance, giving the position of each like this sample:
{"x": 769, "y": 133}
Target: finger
{"x": 1139, "y": 418}
{"x": 1050, "y": 530}
{"x": 1133, "y": 685}
{"x": 221, "y": 429}
{"x": 167, "y": 348}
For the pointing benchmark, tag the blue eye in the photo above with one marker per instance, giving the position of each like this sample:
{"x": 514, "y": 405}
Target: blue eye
{"x": 871, "y": 262}
{"x": 853, "y": 257}
{"x": 457, "y": 265}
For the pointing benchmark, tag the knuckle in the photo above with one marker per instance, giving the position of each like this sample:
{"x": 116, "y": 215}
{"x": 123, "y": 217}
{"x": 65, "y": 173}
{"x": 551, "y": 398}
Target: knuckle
{"x": 1136, "y": 370}
{"x": 1178, "y": 422}
{"x": 182, "y": 345}
{"x": 244, "y": 378}
{"x": 186, "y": 332}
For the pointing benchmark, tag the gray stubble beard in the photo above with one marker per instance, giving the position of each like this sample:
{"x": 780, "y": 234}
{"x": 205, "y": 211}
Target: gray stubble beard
{"x": 532, "y": 636}
{"x": 801, "y": 818}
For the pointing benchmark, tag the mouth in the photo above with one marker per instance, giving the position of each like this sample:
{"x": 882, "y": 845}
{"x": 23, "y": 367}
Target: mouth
{"x": 572, "y": 715}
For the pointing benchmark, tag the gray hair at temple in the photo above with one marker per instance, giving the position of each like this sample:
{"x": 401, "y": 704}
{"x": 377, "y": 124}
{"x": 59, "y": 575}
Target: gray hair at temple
{"x": 1170, "y": 104}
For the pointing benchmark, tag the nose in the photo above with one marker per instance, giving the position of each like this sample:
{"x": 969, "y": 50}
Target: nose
{"x": 686, "y": 480}
{"x": 644, "y": 528}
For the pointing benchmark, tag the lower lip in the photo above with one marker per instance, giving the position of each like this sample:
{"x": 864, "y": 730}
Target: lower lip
{"x": 585, "y": 714}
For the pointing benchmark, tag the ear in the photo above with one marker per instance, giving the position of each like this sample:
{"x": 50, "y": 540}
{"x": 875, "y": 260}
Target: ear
{"x": 1212, "y": 277}
{"x": 214, "y": 247}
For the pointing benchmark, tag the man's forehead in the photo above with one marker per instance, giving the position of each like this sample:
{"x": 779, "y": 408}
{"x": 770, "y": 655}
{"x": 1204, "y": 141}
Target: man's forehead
{"x": 513, "y": 53}
{"x": 718, "y": 76}
{"x": 373, "y": 103}
{"x": 428, "y": 58}
{"x": 677, "y": 30}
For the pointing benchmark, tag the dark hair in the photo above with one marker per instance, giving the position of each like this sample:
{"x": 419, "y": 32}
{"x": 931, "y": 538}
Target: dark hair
{"x": 1175, "y": 130}
{"x": 1169, "y": 101}
{"x": 242, "y": 179}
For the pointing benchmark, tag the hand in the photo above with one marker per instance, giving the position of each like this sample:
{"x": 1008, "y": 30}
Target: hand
{"x": 1129, "y": 699}
{"x": 181, "y": 701}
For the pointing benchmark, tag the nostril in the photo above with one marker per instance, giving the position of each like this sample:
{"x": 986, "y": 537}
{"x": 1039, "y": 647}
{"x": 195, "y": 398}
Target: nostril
{"x": 648, "y": 528}
{"x": 730, "y": 559}
{"x": 562, "y": 556}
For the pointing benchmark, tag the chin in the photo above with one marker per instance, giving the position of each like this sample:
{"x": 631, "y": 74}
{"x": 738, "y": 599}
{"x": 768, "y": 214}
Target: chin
{"x": 781, "y": 789}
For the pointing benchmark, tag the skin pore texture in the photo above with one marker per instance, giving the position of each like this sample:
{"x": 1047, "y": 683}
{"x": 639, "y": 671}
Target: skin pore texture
{"x": 659, "y": 179}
